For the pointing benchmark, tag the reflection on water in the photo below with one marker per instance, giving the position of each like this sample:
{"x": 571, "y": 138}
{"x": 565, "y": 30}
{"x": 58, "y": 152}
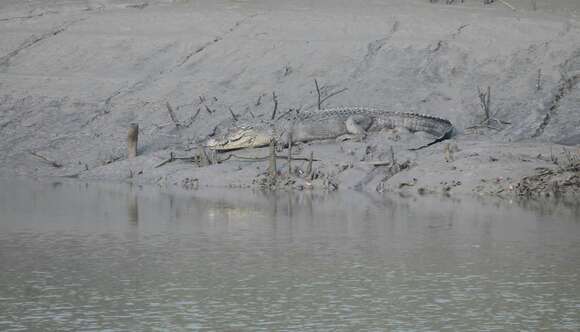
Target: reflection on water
{"x": 76, "y": 256}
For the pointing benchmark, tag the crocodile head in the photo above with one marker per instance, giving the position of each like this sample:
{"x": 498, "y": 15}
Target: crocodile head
{"x": 239, "y": 138}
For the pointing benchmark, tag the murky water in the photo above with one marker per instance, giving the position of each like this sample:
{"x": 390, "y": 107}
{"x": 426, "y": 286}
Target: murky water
{"x": 81, "y": 257}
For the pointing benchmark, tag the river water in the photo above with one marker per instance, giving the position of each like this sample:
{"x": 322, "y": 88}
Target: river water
{"x": 111, "y": 257}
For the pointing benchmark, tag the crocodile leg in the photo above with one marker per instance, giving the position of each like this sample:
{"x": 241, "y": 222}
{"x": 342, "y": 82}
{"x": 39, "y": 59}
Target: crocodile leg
{"x": 356, "y": 127}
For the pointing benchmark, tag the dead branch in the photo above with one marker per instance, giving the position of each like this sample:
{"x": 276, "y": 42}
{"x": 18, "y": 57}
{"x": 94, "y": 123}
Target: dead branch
{"x": 166, "y": 161}
{"x": 202, "y": 100}
{"x": 272, "y": 169}
{"x": 485, "y": 100}
{"x": 288, "y": 111}
{"x": 234, "y": 116}
{"x": 275, "y": 99}
{"x": 231, "y": 155}
{"x": 334, "y": 94}
{"x": 322, "y": 99}
{"x": 193, "y": 118}
{"x": 290, "y": 154}
{"x": 172, "y": 115}
{"x": 377, "y": 163}
{"x": 318, "y": 92}
{"x": 309, "y": 166}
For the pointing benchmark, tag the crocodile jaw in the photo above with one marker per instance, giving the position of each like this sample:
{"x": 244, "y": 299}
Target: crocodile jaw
{"x": 239, "y": 139}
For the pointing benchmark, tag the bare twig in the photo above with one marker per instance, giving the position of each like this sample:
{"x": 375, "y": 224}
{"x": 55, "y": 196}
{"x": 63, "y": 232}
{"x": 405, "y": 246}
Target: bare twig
{"x": 290, "y": 154}
{"x": 539, "y": 80}
{"x": 288, "y": 111}
{"x": 309, "y": 166}
{"x": 318, "y": 92}
{"x": 259, "y": 101}
{"x": 231, "y": 155}
{"x": 203, "y": 158}
{"x": 272, "y": 169}
{"x": 322, "y": 99}
{"x": 202, "y": 100}
{"x": 168, "y": 160}
{"x": 275, "y": 99}
{"x": 46, "y": 160}
{"x": 485, "y": 100}
{"x": 377, "y": 163}
{"x": 333, "y": 94}
{"x": 172, "y": 115}
{"x": 193, "y": 118}
{"x": 234, "y": 116}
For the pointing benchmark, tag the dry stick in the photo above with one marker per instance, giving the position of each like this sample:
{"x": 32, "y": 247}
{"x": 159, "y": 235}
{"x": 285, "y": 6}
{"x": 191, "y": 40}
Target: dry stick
{"x": 193, "y": 118}
{"x": 204, "y": 160}
{"x": 132, "y": 140}
{"x": 202, "y": 100}
{"x": 259, "y": 101}
{"x": 272, "y": 164}
{"x": 290, "y": 154}
{"x": 377, "y": 163}
{"x": 309, "y": 166}
{"x": 318, "y": 92}
{"x": 172, "y": 114}
{"x": 333, "y": 94}
{"x": 275, "y": 99}
{"x": 43, "y": 158}
{"x": 234, "y": 116}
{"x": 484, "y": 100}
{"x": 168, "y": 160}
{"x": 288, "y": 111}
{"x": 539, "y": 80}
{"x": 268, "y": 157}
{"x": 488, "y": 114}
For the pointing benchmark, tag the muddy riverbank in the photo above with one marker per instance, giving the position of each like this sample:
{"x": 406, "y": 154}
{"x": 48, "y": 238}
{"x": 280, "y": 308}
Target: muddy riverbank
{"x": 75, "y": 76}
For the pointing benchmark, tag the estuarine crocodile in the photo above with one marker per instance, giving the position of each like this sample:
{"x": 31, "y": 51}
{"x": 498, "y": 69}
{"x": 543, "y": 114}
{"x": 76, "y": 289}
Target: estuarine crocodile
{"x": 328, "y": 124}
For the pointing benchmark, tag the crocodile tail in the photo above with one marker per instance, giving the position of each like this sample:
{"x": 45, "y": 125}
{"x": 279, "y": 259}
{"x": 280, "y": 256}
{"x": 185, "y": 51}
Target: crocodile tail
{"x": 445, "y": 136}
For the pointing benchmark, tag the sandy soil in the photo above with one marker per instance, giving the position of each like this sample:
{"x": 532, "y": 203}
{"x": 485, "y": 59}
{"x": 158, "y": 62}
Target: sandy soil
{"x": 75, "y": 74}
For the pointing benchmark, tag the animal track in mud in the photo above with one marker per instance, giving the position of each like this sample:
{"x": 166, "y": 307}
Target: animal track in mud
{"x": 140, "y": 84}
{"x": 373, "y": 49}
{"x": 563, "y": 90}
{"x": 215, "y": 40}
{"x": 4, "y": 61}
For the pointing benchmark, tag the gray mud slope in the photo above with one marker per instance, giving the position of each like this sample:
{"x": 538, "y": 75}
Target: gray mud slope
{"x": 75, "y": 74}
